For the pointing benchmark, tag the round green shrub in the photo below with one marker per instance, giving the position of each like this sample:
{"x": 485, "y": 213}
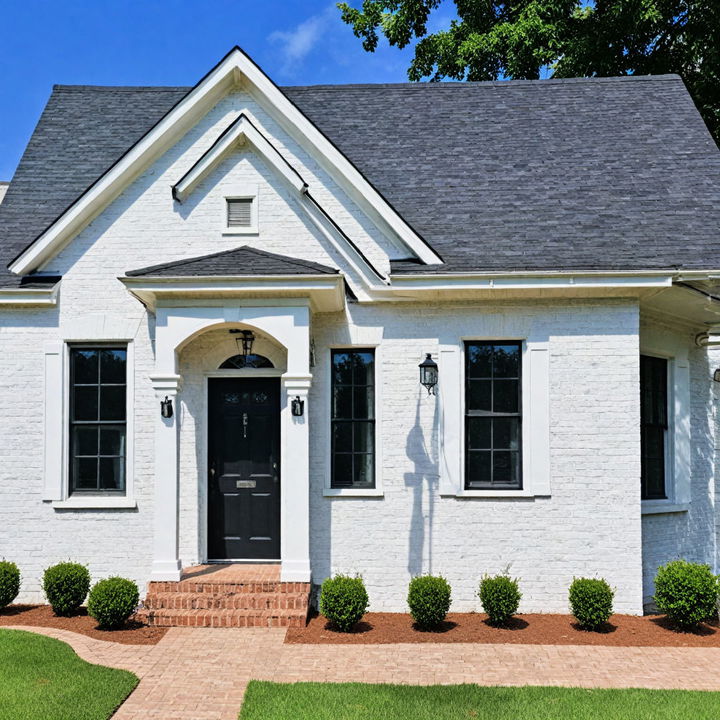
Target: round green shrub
{"x": 500, "y": 597}
{"x": 429, "y": 600}
{"x": 686, "y": 592}
{"x": 66, "y": 586}
{"x": 113, "y": 601}
{"x": 9, "y": 582}
{"x": 591, "y": 602}
{"x": 343, "y": 601}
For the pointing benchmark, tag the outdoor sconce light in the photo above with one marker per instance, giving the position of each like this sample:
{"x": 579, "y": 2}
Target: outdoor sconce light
{"x": 716, "y": 375}
{"x": 428, "y": 374}
{"x": 297, "y": 406}
{"x": 244, "y": 340}
{"x": 166, "y": 408}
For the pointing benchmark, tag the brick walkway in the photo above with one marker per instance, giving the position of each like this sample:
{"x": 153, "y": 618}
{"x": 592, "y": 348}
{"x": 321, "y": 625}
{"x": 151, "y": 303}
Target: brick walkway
{"x": 201, "y": 674}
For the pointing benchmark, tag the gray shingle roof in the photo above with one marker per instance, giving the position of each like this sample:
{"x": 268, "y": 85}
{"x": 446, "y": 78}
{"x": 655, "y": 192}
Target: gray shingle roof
{"x": 240, "y": 261}
{"x": 587, "y": 174}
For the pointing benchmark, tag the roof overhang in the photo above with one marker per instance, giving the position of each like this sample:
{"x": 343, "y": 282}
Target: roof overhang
{"x": 30, "y": 297}
{"x": 236, "y": 69}
{"x": 326, "y": 293}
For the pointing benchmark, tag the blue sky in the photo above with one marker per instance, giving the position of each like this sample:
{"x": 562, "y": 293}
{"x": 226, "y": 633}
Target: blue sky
{"x": 173, "y": 42}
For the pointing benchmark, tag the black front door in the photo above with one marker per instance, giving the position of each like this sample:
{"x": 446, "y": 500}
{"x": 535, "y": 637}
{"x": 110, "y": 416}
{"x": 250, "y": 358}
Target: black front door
{"x": 244, "y": 469}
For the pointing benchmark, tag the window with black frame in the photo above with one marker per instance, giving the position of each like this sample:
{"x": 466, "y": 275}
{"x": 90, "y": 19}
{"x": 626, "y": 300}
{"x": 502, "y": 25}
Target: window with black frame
{"x": 493, "y": 415}
{"x": 353, "y": 419}
{"x": 653, "y": 426}
{"x": 98, "y": 422}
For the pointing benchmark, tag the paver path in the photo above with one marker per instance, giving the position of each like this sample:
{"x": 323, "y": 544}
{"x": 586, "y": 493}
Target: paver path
{"x": 201, "y": 674}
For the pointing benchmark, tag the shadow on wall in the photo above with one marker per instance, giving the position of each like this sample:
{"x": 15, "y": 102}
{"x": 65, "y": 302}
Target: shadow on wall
{"x": 424, "y": 483}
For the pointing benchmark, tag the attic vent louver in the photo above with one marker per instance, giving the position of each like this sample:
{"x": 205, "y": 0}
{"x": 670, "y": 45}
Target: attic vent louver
{"x": 239, "y": 212}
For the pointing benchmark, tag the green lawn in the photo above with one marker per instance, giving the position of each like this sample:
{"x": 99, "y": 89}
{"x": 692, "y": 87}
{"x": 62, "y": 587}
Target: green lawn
{"x": 355, "y": 701}
{"x": 43, "y": 679}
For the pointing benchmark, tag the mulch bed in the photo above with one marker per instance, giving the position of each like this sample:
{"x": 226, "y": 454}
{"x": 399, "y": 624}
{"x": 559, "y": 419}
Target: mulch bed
{"x": 621, "y": 630}
{"x": 134, "y": 633}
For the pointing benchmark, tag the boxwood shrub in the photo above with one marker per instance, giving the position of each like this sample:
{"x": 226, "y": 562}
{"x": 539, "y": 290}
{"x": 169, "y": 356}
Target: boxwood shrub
{"x": 343, "y": 601}
{"x": 500, "y": 598}
{"x": 429, "y": 598}
{"x": 9, "y": 582}
{"x": 591, "y": 602}
{"x": 113, "y": 601}
{"x": 66, "y": 586}
{"x": 686, "y": 592}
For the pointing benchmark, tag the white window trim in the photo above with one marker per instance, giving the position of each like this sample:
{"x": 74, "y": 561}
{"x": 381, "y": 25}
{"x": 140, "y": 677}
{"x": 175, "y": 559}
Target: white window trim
{"x": 535, "y": 381}
{"x": 677, "y": 447}
{"x": 250, "y": 192}
{"x": 378, "y": 490}
{"x": 57, "y": 439}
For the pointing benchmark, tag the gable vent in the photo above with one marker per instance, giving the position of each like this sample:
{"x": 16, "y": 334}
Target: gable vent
{"x": 239, "y": 212}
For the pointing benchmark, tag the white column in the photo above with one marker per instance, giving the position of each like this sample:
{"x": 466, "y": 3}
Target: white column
{"x": 295, "y": 488}
{"x": 166, "y": 563}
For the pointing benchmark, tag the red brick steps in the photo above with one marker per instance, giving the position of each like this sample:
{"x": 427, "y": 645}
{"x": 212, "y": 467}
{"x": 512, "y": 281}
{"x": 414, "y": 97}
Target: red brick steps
{"x": 227, "y": 596}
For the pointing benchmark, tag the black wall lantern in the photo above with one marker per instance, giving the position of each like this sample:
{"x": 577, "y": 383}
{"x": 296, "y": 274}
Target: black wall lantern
{"x": 166, "y": 408}
{"x": 297, "y": 406}
{"x": 244, "y": 340}
{"x": 428, "y": 374}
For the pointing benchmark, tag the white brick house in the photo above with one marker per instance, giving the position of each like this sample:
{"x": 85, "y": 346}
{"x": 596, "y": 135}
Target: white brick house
{"x": 537, "y": 239}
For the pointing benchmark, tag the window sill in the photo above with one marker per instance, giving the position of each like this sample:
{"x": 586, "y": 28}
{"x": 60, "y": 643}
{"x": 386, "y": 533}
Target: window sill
{"x": 94, "y": 502}
{"x": 241, "y": 231}
{"x": 660, "y": 507}
{"x": 353, "y": 492}
{"x": 495, "y": 494}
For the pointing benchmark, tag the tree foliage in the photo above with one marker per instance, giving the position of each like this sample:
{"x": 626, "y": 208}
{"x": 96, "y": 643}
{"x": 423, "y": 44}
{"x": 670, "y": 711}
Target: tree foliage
{"x": 491, "y": 39}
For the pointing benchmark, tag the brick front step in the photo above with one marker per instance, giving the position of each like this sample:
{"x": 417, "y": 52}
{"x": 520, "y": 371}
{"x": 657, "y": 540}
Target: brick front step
{"x": 227, "y": 601}
{"x": 223, "y": 618}
{"x": 228, "y": 588}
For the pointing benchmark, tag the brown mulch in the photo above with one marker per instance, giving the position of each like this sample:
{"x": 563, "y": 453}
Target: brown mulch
{"x": 621, "y": 630}
{"x": 134, "y": 632}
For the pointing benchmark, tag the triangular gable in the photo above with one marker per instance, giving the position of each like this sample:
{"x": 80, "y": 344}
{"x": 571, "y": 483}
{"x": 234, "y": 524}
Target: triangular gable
{"x": 236, "y": 68}
{"x": 245, "y": 129}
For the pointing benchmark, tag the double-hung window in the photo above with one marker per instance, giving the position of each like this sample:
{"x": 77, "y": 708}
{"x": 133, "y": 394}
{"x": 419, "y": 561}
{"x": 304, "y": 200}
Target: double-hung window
{"x": 353, "y": 419}
{"x": 493, "y": 415}
{"x": 98, "y": 419}
{"x": 653, "y": 426}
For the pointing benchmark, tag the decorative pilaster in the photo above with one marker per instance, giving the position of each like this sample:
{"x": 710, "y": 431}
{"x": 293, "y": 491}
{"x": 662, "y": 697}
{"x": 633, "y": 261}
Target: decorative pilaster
{"x": 166, "y": 561}
{"x": 295, "y": 467}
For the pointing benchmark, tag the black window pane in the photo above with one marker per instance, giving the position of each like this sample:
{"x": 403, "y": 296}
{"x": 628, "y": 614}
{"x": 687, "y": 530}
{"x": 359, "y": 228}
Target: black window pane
{"x": 493, "y": 414}
{"x": 364, "y": 368}
{"x": 653, "y": 424}
{"x": 363, "y": 403}
{"x": 112, "y": 440}
{"x": 112, "y": 366}
{"x": 363, "y": 437}
{"x": 479, "y": 467}
{"x": 112, "y": 474}
{"x": 342, "y": 437}
{"x": 479, "y": 432}
{"x": 342, "y": 402}
{"x": 506, "y": 361}
{"x": 506, "y": 433}
{"x": 112, "y": 402}
{"x": 85, "y": 440}
{"x": 86, "y": 473}
{"x": 479, "y": 395}
{"x": 342, "y": 368}
{"x": 479, "y": 361}
{"x": 505, "y": 396}
{"x": 353, "y": 412}
{"x": 342, "y": 470}
{"x": 85, "y": 403}
{"x": 363, "y": 470}
{"x": 85, "y": 366}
